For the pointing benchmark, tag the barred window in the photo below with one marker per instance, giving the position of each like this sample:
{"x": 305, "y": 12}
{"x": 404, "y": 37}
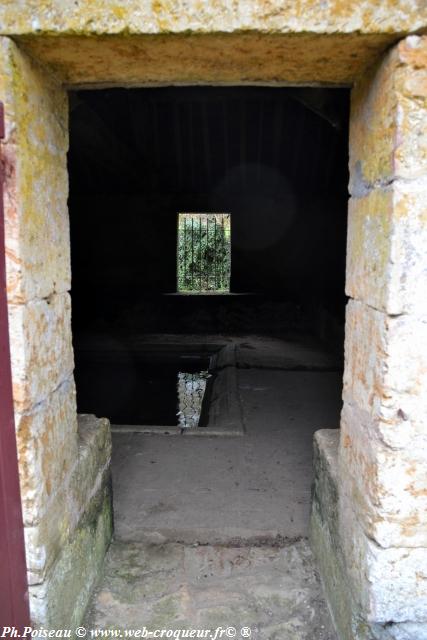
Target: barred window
{"x": 204, "y": 252}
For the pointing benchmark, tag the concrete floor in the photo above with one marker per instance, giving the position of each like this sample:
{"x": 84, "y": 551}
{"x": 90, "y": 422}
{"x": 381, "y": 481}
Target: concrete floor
{"x": 218, "y": 489}
{"x": 212, "y": 531}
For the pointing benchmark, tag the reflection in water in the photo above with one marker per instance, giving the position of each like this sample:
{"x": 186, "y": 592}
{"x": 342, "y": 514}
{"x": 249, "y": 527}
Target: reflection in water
{"x": 191, "y": 389}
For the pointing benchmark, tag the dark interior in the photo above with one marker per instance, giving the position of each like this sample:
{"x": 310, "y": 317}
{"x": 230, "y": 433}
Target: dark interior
{"x": 275, "y": 158}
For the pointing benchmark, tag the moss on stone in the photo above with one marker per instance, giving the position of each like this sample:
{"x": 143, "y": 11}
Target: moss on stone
{"x": 67, "y": 590}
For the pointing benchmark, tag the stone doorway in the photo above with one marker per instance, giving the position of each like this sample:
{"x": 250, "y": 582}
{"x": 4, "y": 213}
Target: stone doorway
{"x": 369, "y": 499}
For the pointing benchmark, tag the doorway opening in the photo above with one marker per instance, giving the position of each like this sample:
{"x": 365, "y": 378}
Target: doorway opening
{"x": 274, "y": 160}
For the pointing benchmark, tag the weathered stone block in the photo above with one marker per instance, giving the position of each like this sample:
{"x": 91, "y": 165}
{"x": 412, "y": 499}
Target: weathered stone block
{"x": 217, "y": 57}
{"x": 386, "y": 372}
{"x": 388, "y": 119}
{"x": 325, "y": 538}
{"x": 325, "y": 468}
{"x": 373, "y": 591}
{"x": 47, "y": 449}
{"x": 387, "y": 487}
{"x": 372, "y": 127}
{"x": 369, "y": 240}
{"x": 383, "y": 452}
{"x": 36, "y": 186}
{"x": 410, "y": 151}
{"x": 386, "y": 240}
{"x": 41, "y": 349}
{"x": 74, "y": 501}
{"x": 107, "y": 16}
{"x": 61, "y": 600}
{"x": 94, "y": 442}
{"x": 389, "y": 585}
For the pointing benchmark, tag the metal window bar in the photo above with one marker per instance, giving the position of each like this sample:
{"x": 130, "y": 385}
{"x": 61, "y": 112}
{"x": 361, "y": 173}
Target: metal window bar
{"x": 200, "y": 252}
{"x": 216, "y": 261}
{"x": 206, "y": 238}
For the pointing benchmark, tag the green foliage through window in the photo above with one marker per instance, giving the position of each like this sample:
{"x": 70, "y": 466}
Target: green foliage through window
{"x": 204, "y": 247}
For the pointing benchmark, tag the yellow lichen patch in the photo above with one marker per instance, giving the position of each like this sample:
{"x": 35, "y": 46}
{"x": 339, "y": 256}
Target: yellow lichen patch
{"x": 118, "y": 11}
{"x": 370, "y": 225}
{"x": 389, "y": 113}
{"x": 35, "y": 148}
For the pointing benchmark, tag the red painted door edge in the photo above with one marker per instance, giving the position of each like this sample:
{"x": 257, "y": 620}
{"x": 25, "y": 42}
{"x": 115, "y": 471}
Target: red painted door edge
{"x": 14, "y": 609}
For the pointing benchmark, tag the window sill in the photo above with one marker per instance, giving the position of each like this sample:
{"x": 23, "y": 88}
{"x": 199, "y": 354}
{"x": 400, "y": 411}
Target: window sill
{"x": 187, "y": 294}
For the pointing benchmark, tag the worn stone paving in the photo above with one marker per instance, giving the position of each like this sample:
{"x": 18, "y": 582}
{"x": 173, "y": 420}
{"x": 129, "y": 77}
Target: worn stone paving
{"x": 273, "y": 590}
